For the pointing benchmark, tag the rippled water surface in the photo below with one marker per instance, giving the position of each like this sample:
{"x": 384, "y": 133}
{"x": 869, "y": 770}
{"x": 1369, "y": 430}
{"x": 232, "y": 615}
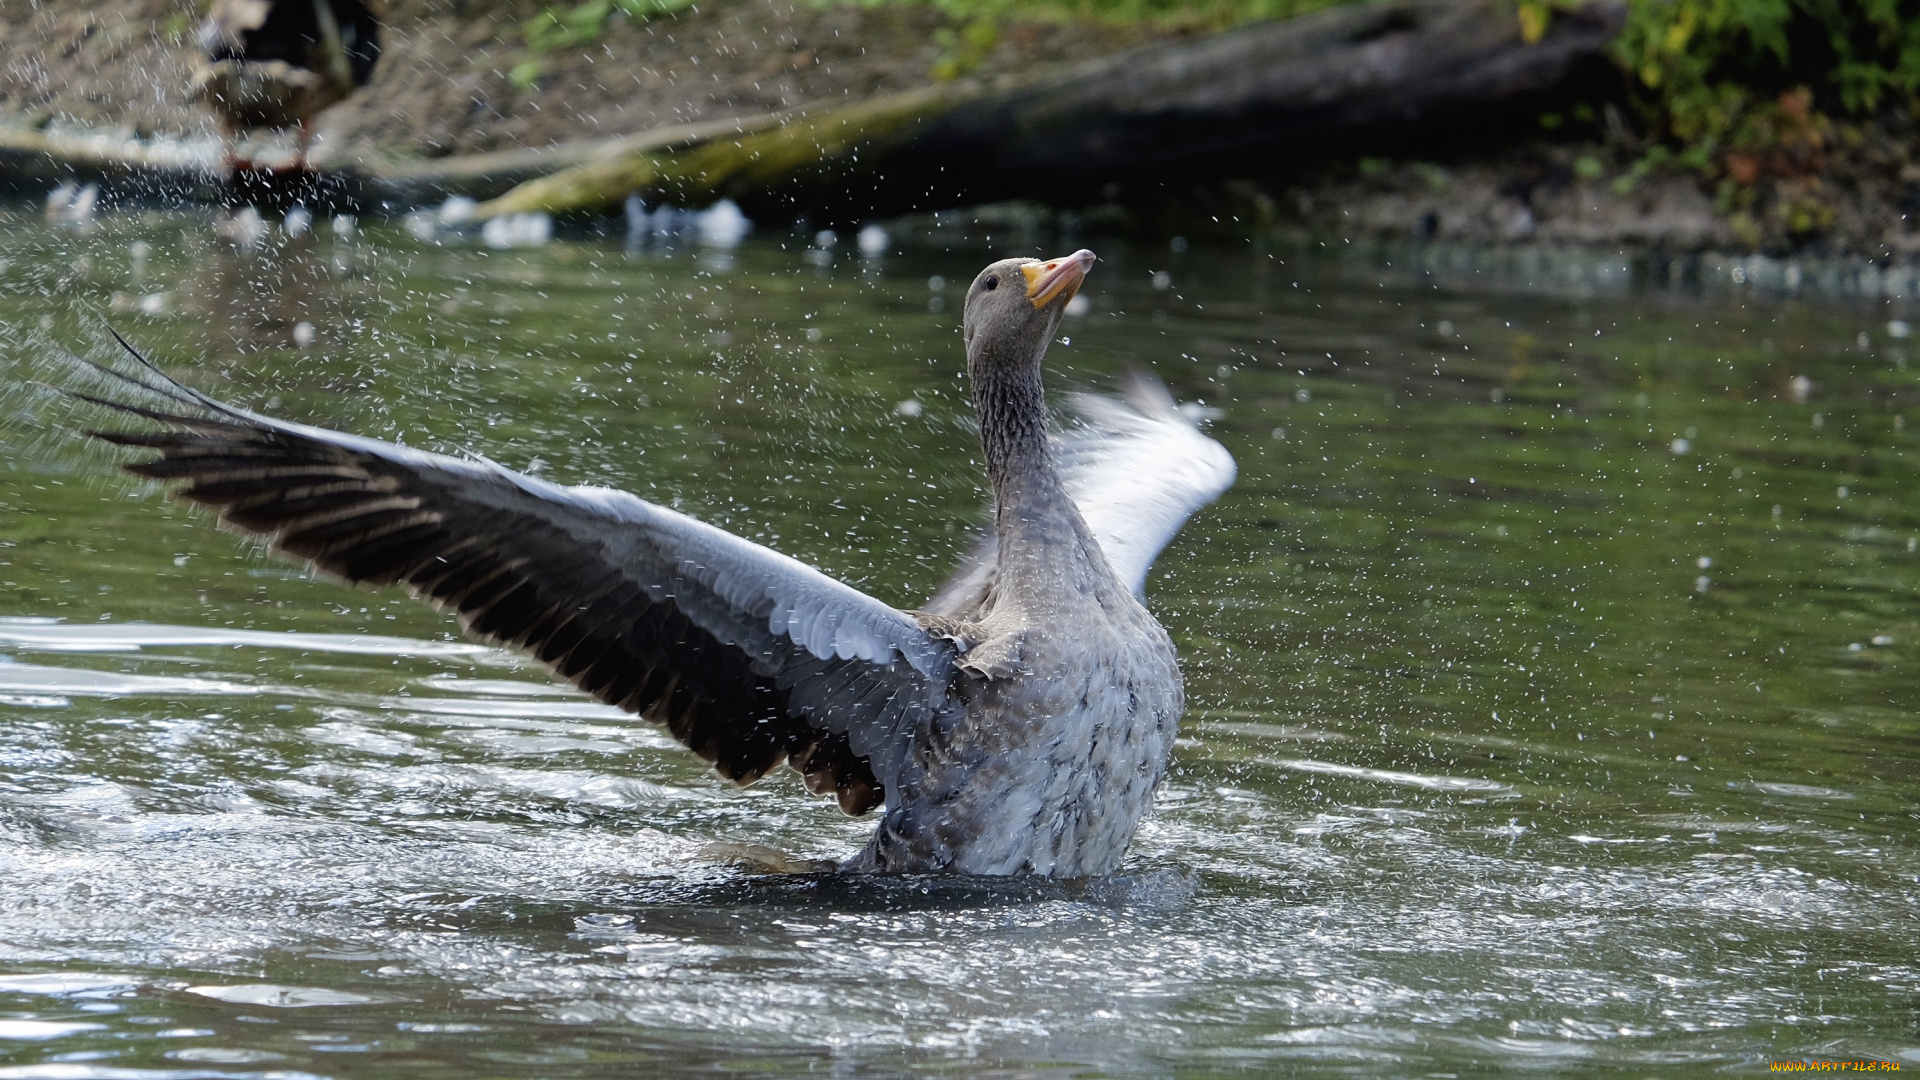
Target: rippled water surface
{"x": 1553, "y": 667}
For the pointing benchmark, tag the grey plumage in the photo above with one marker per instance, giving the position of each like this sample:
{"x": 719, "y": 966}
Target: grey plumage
{"x": 1019, "y": 727}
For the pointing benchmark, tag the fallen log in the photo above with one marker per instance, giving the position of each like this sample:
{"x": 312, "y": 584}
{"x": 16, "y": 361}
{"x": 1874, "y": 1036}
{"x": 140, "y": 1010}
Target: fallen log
{"x": 34, "y": 159}
{"x": 162, "y": 169}
{"x": 1380, "y": 75}
{"x": 487, "y": 175}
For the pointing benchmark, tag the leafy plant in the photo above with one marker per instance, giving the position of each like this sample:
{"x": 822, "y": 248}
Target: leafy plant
{"x": 961, "y": 51}
{"x": 1747, "y": 87}
{"x": 582, "y": 24}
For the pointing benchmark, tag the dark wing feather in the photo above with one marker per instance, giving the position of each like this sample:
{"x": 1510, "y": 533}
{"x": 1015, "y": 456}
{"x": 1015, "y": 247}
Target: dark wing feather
{"x": 748, "y": 657}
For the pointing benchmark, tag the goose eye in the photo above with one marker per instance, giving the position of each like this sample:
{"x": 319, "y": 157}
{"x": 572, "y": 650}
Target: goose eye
{"x": 993, "y": 283}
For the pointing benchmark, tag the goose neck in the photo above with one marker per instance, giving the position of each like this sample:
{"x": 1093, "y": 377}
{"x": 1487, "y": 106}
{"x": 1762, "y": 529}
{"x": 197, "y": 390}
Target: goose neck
{"x": 1013, "y": 431}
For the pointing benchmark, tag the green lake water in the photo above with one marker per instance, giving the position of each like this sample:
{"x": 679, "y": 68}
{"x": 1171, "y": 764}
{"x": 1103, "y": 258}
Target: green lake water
{"x": 1553, "y": 672}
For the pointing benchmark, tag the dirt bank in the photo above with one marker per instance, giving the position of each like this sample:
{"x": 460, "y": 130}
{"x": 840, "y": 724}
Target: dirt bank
{"x": 445, "y": 83}
{"x": 1587, "y": 193}
{"x": 447, "y": 86}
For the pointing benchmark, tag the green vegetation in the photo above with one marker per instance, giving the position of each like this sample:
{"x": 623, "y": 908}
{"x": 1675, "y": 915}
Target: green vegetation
{"x": 561, "y": 27}
{"x": 582, "y": 24}
{"x": 1748, "y": 88}
{"x": 1205, "y": 13}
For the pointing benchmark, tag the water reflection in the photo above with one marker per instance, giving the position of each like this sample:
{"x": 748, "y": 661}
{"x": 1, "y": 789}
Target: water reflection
{"x": 1476, "y": 775}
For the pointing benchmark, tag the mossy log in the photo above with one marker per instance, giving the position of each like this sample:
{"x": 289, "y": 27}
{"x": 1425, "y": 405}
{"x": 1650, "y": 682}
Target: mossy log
{"x": 1385, "y": 75}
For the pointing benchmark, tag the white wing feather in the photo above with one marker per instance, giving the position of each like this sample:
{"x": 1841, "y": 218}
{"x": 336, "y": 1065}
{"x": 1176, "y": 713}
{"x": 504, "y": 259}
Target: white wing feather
{"x": 1137, "y": 469}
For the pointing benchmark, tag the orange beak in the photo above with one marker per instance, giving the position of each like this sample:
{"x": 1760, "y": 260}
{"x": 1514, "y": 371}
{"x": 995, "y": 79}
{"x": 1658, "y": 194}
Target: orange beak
{"x": 1046, "y": 280}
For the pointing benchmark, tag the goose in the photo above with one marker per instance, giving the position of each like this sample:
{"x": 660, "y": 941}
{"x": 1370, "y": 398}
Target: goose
{"x": 1018, "y": 724}
{"x": 280, "y": 63}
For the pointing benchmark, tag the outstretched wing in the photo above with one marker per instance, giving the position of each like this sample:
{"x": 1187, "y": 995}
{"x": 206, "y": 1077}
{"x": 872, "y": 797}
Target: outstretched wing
{"x": 749, "y": 657}
{"x": 1137, "y": 468}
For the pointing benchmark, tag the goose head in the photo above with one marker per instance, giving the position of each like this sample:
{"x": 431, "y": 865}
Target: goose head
{"x": 1014, "y": 307}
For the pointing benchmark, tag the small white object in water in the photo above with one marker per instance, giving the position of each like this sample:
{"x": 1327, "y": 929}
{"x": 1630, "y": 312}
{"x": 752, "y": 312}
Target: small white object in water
{"x": 1681, "y": 446}
{"x": 1899, "y": 328}
{"x": 873, "y": 241}
{"x": 457, "y": 210}
{"x": 1162, "y": 280}
{"x": 1079, "y": 306}
{"x": 910, "y": 408}
{"x": 344, "y": 226}
{"x": 420, "y": 225}
{"x": 243, "y": 227}
{"x": 1521, "y": 224}
{"x": 1703, "y": 562}
{"x": 722, "y": 224}
{"x": 137, "y": 254}
{"x": 517, "y": 230}
{"x": 152, "y": 304}
{"x": 73, "y": 204}
{"x": 1883, "y": 640}
{"x": 936, "y": 283}
{"x": 297, "y": 222}
{"x": 303, "y": 334}
{"x": 825, "y": 238}
{"x": 60, "y": 198}
{"x": 1801, "y": 387}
